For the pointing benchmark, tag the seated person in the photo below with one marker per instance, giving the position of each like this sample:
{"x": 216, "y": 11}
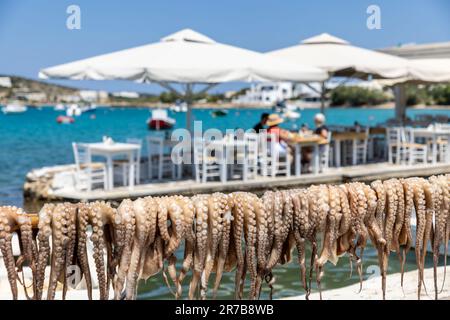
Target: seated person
{"x": 321, "y": 130}
{"x": 304, "y": 129}
{"x": 282, "y": 135}
{"x": 260, "y": 125}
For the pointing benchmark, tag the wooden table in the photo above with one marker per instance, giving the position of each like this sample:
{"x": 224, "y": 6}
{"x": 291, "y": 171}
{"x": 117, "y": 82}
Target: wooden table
{"x": 299, "y": 142}
{"x": 339, "y": 137}
{"x": 111, "y": 150}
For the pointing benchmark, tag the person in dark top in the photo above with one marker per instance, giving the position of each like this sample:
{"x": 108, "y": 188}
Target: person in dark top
{"x": 260, "y": 125}
{"x": 321, "y": 128}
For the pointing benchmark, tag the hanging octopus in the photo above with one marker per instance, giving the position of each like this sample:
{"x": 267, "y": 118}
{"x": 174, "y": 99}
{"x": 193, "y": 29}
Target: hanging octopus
{"x": 329, "y": 242}
{"x": 201, "y": 245}
{"x": 420, "y": 209}
{"x": 225, "y": 207}
{"x": 357, "y": 235}
{"x": 301, "y": 229}
{"x": 101, "y": 217}
{"x": 220, "y": 233}
{"x": 126, "y": 224}
{"x": 245, "y": 229}
{"x": 406, "y": 235}
{"x": 57, "y": 221}
{"x": 14, "y": 220}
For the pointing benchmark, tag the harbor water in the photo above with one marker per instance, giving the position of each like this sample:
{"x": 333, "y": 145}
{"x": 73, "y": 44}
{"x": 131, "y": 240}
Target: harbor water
{"x": 34, "y": 139}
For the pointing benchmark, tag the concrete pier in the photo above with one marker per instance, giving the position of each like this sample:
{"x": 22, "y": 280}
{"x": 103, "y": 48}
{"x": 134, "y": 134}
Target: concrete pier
{"x": 364, "y": 173}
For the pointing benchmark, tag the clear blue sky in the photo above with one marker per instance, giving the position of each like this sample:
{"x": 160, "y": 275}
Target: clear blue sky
{"x": 33, "y": 33}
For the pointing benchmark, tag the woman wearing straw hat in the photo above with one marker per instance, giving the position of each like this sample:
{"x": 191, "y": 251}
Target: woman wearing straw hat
{"x": 282, "y": 136}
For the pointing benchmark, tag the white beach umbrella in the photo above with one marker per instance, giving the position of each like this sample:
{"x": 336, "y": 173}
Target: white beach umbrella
{"x": 185, "y": 57}
{"x": 339, "y": 58}
{"x": 424, "y": 71}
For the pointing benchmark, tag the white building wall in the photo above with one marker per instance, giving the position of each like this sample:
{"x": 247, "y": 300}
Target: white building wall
{"x": 5, "y": 82}
{"x": 268, "y": 93}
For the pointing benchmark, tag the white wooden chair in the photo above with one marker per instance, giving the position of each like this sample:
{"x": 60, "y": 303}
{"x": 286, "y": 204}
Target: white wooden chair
{"x": 206, "y": 165}
{"x": 87, "y": 173}
{"x": 247, "y": 159}
{"x": 123, "y": 165}
{"x": 396, "y": 144}
{"x": 443, "y": 149}
{"x": 272, "y": 160}
{"x": 325, "y": 154}
{"x": 359, "y": 149}
{"x": 402, "y": 147}
{"x": 415, "y": 152}
{"x": 159, "y": 160}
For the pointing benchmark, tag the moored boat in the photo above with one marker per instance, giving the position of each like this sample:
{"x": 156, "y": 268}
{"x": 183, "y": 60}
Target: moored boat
{"x": 59, "y": 107}
{"x": 179, "y": 107}
{"x": 160, "y": 120}
{"x": 89, "y": 108}
{"x": 65, "y": 119}
{"x": 291, "y": 115}
{"x": 219, "y": 113}
{"x": 14, "y": 108}
{"x": 73, "y": 110}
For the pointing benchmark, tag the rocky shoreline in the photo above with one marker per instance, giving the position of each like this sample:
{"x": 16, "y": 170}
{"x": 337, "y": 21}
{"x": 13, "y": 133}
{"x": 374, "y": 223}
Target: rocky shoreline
{"x": 40, "y": 183}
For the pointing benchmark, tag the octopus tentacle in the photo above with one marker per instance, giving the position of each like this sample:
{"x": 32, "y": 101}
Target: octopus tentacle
{"x": 375, "y": 232}
{"x": 214, "y": 235}
{"x": 70, "y": 256}
{"x": 127, "y": 217}
{"x": 83, "y": 221}
{"x": 358, "y": 231}
{"x": 189, "y": 214}
{"x": 238, "y": 232}
{"x": 7, "y": 222}
{"x": 301, "y": 227}
{"x": 225, "y": 238}
{"x": 43, "y": 236}
{"x": 419, "y": 204}
{"x": 251, "y": 237}
{"x": 59, "y": 242}
{"x": 201, "y": 230}
{"x": 142, "y": 213}
{"x": 329, "y": 250}
{"x": 406, "y": 235}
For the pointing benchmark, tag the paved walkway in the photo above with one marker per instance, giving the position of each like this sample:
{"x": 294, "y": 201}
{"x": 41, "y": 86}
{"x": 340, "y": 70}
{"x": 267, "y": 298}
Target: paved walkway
{"x": 372, "y": 288}
{"x": 367, "y": 173}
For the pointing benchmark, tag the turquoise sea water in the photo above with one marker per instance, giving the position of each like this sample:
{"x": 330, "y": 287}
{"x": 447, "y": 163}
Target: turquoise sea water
{"x": 34, "y": 139}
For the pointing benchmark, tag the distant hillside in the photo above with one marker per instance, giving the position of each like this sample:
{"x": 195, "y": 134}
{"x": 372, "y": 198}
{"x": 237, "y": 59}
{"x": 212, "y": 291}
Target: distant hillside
{"x": 39, "y": 92}
{"x": 21, "y": 84}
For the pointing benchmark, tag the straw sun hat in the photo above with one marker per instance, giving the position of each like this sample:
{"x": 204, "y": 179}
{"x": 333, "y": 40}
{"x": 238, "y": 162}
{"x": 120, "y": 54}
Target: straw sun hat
{"x": 274, "y": 119}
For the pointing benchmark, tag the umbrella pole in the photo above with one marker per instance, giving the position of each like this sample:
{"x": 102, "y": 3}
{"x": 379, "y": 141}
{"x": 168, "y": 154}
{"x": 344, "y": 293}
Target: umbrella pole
{"x": 322, "y": 98}
{"x": 188, "y": 100}
{"x": 400, "y": 102}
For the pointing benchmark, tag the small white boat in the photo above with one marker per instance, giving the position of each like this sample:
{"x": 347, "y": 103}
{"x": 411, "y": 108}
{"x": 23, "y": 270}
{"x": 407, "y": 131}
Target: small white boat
{"x": 59, "y": 107}
{"x": 179, "y": 107}
{"x": 14, "y": 108}
{"x": 89, "y": 108}
{"x": 291, "y": 115}
{"x": 73, "y": 110}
